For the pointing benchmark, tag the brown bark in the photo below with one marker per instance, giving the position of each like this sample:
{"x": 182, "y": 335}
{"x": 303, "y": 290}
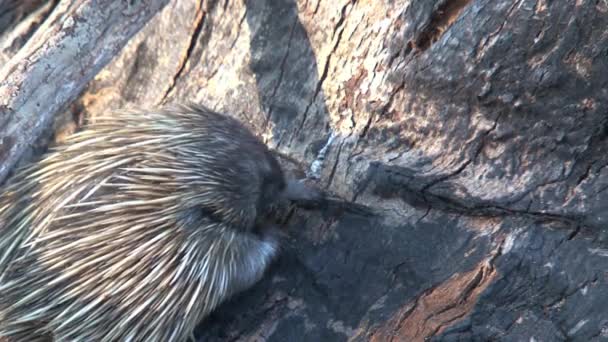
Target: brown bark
{"x": 475, "y": 128}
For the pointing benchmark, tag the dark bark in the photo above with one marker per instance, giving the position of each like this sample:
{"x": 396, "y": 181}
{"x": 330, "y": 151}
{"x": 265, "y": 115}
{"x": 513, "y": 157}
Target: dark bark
{"x": 476, "y": 129}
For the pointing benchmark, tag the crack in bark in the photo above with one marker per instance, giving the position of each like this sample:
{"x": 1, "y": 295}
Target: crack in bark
{"x": 232, "y": 45}
{"x": 199, "y": 21}
{"x": 585, "y": 174}
{"x": 468, "y": 162}
{"x": 497, "y": 31}
{"x": 335, "y": 166}
{"x": 441, "y": 20}
{"x": 238, "y": 29}
{"x": 284, "y": 60}
{"x": 449, "y": 204}
{"x": 281, "y": 73}
{"x": 388, "y": 104}
{"x": 339, "y": 26}
{"x": 499, "y": 211}
{"x": 361, "y": 187}
{"x": 314, "y": 12}
{"x": 592, "y": 142}
{"x": 567, "y": 294}
{"x": 426, "y": 213}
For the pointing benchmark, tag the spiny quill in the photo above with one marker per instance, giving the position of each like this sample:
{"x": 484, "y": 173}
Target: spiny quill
{"x": 137, "y": 227}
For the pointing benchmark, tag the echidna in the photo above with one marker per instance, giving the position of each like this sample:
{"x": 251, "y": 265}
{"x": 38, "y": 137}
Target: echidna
{"x": 137, "y": 227}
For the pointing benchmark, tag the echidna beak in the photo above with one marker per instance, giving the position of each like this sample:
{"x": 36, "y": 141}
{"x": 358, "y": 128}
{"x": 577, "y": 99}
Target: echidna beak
{"x": 297, "y": 191}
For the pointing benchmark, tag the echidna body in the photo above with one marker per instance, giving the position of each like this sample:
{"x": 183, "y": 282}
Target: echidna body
{"x": 136, "y": 228}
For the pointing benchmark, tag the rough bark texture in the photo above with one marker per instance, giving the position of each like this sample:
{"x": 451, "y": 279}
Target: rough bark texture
{"x": 56, "y": 63}
{"x": 475, "y": 128}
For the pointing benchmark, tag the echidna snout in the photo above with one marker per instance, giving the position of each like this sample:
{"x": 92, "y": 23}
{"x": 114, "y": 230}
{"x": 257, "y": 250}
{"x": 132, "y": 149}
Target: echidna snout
{"x": 298, "y": 190}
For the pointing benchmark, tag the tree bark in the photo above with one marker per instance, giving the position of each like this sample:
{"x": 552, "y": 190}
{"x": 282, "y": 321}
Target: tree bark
{"x": 476, "y": 129}
{"x": 57, "y": 62}
{"x": 13, "y": 12}
{"x": 13, "y": 38}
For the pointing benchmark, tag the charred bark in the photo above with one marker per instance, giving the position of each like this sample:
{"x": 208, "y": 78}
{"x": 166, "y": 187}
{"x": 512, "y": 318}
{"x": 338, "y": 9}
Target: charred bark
{"x": 475, "y": 128}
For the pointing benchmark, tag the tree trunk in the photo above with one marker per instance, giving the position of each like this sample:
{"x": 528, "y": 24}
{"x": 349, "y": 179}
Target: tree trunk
{"x": 475, "y": 129}
{"x": 57, "y": 62}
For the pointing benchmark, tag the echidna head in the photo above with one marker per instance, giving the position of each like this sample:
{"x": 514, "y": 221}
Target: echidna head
{"x": 273, "y": 184}
{"x": 276, "y": 189}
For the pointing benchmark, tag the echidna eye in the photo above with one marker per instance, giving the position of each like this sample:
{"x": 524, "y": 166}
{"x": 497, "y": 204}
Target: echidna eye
{"x": 282, "y": 185}
{"x": 211, "y": 214}
{"x": 269, "y": 192}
